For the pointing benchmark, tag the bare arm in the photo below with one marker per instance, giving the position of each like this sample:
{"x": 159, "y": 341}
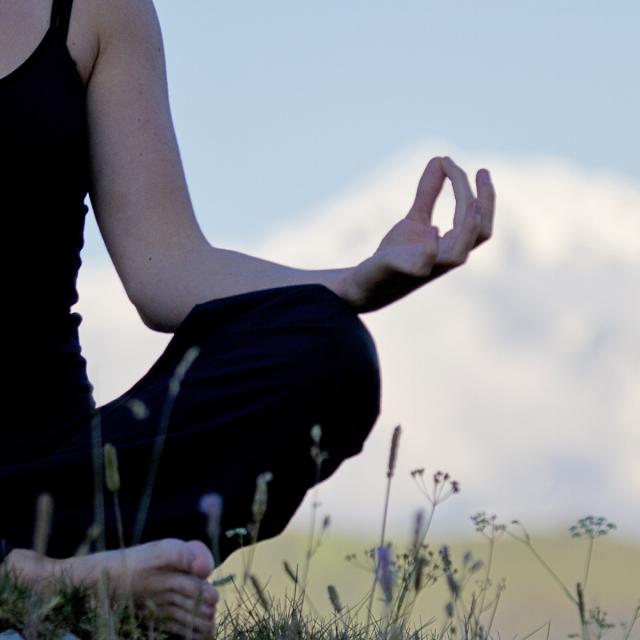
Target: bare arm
{"x": 144, "y": 212}
{"x": 139, "y": 191}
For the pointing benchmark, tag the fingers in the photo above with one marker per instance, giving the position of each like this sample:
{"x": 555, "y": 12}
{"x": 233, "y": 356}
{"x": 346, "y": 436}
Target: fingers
{"x": 456, "y": 244}
{"x": 429, "y": 253}
{"x": 487, "y": 203}
{"x": 473, "y": 217}
{"x": 429, "y": 187}
{"x": 461, "y": 189}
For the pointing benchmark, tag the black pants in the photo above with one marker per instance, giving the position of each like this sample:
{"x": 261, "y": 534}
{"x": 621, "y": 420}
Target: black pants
{"x": 271, "y": 364}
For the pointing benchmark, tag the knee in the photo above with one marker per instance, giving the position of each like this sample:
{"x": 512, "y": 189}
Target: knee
{"x": 342, "y": 364}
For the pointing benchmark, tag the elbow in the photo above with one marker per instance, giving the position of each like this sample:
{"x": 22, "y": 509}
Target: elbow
{"x": 151, "y": 321}
{"x": 147, "y": 319}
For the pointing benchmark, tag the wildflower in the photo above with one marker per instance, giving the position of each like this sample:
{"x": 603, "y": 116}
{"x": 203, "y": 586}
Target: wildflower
{"x": 138, "y": 408}
{"x": 449, "y": 609}
{"x": 289, "y": 571}
{"x": 211, "y": 505}
{"x": 240, "y": 532}
{"x": 476, "y": 566}
{"x": 385, "y": 573}
{"x": 187, "y": 360}
{"x": 334, "y": 598}
{"x": 591, "y": 527}
{"x": 393, "y": 452}
{"x": 417, "y": 529}
{"x": 111, "y": 468}
{"x": 316, "y": 433}
{"x": 260, "y": 497}
{"x": 444, "y": 554}
{"x": 421, "y": 564}
{"x": 453, "y": 585}
{"x": 257, "y": 587}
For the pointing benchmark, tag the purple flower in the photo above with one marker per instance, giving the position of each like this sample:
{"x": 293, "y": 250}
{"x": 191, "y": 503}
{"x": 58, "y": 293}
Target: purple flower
{"x": 384, "y": 572}
{"x": 211, "y": 505}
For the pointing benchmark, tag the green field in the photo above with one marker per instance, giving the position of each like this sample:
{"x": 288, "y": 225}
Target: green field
{"x": 531, "y": 598}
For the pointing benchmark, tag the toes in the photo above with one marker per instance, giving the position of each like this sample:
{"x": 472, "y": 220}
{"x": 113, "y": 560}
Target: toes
{"x": 178, "y": 630}
{"x": 203, "y": 564}
{"x": 203, "y": 609}
{"x": 191, "y": 557}
{"x": 185, "y": 620}
{"x": 192, "y": 588}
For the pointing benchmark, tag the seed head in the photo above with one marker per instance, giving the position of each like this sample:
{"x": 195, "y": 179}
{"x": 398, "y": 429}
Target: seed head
{"x": 257, "y": 587}
{"x": 260, "y": 497}
{"x": 476, "y": 566}
{"x": 421, "y": 564}
{"x": 417, "y": 529}
{"x": 453, "y": 585}
{"x": 334, "y": 598}
{"x": 138, "y": 408}
{"x": 393, "y": 451}
{"x": 111, "y": 468}
{"x": 316, "y": 433}
{"x": 187, "y": 360}
{"x": 289, "y": 571}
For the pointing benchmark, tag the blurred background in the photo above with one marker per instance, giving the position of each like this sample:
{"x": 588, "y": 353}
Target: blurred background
{"x": 304, "y": 128}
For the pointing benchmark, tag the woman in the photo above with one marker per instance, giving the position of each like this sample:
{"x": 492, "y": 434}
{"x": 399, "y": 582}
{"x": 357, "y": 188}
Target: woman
{"x": 279, "y": 349}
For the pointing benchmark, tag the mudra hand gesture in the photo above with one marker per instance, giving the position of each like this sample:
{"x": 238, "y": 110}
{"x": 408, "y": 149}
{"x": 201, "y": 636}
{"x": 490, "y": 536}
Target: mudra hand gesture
{"x": 413, "y": 253}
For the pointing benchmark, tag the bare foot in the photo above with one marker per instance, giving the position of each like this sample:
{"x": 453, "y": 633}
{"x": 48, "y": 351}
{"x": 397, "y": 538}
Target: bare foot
{"x": 170, "y": 573}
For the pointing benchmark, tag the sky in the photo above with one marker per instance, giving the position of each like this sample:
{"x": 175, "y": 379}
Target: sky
{"x": 284, "y": 109}
{"x": 279, "y": 105}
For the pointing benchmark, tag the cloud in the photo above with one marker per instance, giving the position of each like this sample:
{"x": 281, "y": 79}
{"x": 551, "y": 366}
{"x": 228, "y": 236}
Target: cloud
{"x": 517, "y": 373}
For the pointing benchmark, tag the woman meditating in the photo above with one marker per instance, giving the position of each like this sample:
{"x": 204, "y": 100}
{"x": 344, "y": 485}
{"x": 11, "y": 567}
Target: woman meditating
{"x": 84, "y": 110}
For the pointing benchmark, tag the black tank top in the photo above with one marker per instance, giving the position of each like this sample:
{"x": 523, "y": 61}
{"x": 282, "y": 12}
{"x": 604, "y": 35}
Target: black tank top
{"x": 44, "y": 179}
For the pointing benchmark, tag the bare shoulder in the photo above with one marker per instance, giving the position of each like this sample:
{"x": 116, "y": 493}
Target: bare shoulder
{"x": 130, "y": 44}
{"x": 121, "y": 20}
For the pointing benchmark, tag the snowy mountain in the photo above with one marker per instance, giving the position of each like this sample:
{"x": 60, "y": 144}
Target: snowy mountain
{"x": 518, "y": 373}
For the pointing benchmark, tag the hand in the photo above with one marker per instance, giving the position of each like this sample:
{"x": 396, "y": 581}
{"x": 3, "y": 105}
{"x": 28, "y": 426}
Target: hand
{"x": 413, "y": 253}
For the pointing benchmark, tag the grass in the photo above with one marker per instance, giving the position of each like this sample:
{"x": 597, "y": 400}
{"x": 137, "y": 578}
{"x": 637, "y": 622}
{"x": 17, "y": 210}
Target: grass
{"x": 414, "y": 589}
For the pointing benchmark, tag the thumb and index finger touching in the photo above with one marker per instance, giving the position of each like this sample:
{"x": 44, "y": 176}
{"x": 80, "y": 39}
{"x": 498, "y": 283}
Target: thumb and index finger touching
{"x": 430, "y": 186}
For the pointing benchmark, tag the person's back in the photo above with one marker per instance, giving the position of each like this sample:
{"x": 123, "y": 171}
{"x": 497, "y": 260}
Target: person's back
{"x": 44, "y": 178}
